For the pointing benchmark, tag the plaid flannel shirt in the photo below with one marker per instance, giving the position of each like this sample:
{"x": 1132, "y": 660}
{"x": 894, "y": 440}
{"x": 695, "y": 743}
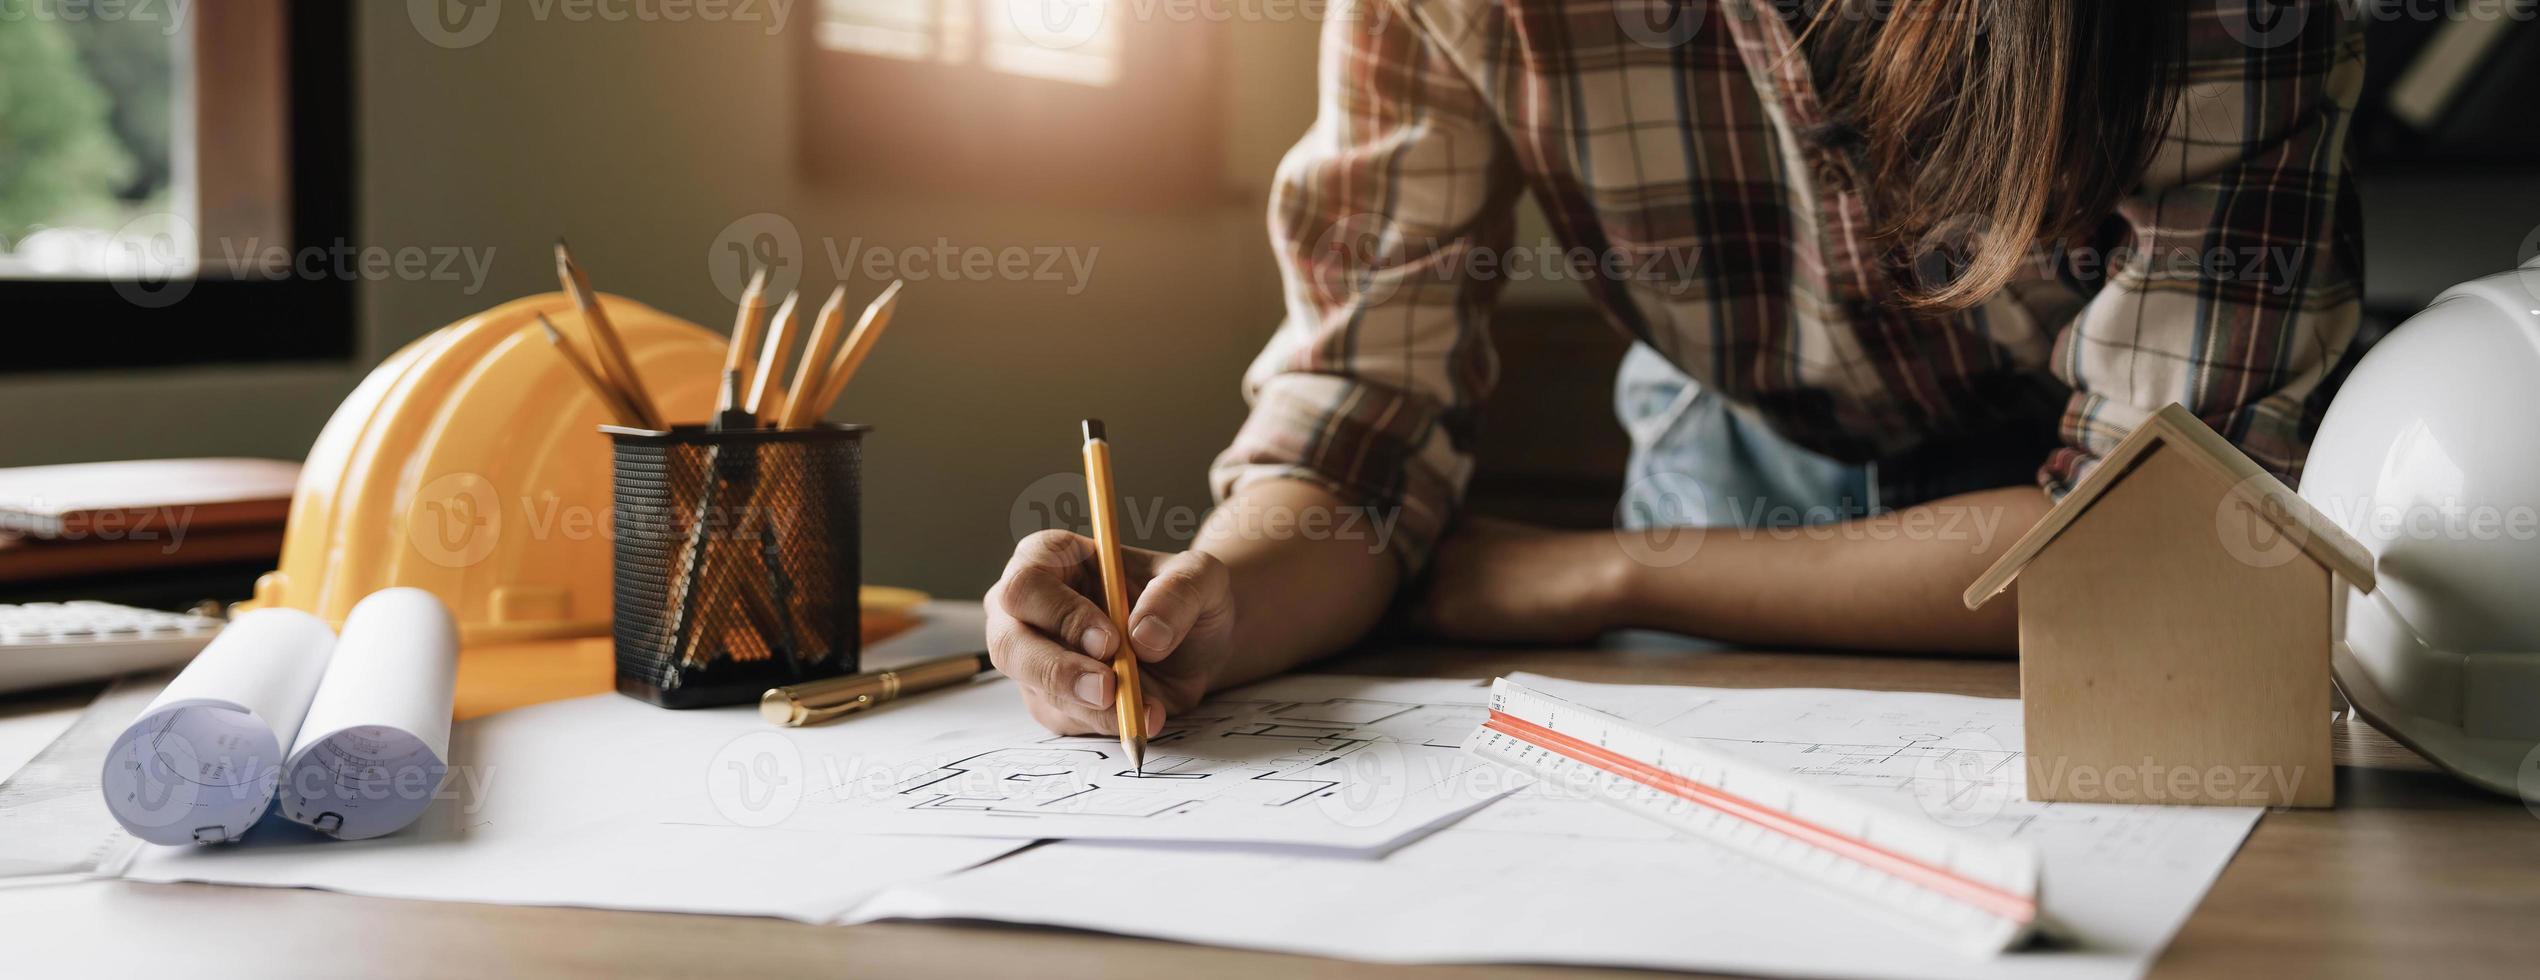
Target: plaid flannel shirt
{"x": 1668, "y": 142}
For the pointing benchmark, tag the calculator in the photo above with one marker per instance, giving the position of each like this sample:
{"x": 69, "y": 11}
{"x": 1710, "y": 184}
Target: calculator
{"x": 43, "y": 644}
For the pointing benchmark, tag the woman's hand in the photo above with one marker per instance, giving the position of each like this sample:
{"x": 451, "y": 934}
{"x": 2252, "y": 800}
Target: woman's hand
{"x": 1496, "y": 581}
{"x": 1047, "y": 631}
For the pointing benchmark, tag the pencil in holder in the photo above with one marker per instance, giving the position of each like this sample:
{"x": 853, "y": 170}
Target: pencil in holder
{"x": 737, "y": 560}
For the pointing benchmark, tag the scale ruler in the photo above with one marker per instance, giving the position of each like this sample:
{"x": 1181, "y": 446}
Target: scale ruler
{"x": 1970, "y": 892}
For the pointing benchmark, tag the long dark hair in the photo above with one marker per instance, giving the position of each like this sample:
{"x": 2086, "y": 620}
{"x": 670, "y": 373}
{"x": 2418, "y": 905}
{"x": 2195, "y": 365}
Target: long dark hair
{"x": 2028, "y": 119}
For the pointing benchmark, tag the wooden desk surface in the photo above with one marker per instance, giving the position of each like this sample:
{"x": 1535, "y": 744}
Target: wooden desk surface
{"x": 2412, "y": 873}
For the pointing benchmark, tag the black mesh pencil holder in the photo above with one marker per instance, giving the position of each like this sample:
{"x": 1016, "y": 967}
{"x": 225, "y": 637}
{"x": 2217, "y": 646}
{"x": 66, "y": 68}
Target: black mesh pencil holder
{"x": 737, "y": 560}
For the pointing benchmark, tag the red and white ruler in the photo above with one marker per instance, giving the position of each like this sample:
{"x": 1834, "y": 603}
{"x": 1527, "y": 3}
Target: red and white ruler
{"x": 1974, "y": 893}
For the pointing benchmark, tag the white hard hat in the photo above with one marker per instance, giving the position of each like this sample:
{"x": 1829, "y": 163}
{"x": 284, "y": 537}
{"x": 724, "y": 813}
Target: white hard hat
{"x": 2430, "y": 458}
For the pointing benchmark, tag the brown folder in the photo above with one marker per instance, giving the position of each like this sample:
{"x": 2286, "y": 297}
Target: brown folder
{"x": 145, "y": 499}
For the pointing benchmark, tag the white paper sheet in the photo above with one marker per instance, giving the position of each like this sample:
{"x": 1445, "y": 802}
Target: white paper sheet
{"x": 1341, "y": 762}
{"x": 53, "y": 821}
{"x": 612, "y": 803}
{"x": 1542, "y": 879}
{"x": 376, "y": 742}
{"x": 201, "y": 762}
{"x": 26, "y": 727}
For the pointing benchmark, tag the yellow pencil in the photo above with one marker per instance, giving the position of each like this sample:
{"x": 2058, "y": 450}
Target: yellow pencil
{"x": 808, "y": 378}
{"x": 868, "y": 331}
{"x": 764, "y": 392}
{"x": 609, "y": 398}
{"x": 736, "y": 354}
{"x": 609, "y": 353}
{"x": 1128, "y": 705}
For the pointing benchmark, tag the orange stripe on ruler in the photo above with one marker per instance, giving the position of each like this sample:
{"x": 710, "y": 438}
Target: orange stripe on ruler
{"x": 2009, "y": 905}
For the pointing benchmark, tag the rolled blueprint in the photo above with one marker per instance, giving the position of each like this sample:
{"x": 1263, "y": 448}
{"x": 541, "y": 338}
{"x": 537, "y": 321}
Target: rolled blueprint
{"x": 376, "y": 744}
{"x": 201, "y": 762}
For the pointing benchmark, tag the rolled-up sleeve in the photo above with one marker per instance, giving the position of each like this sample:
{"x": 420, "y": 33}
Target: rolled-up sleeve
{"x": 1370, "y": 385}
{"x": 2236, "y": 292}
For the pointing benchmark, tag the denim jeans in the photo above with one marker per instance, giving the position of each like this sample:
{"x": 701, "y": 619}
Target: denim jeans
{"x": 1699, "y": 461}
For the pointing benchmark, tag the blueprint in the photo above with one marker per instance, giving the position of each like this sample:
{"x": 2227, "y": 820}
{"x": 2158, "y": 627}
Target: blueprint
{"x": 609, "y": 802}
{"x": 1541, "y": 877}
{"x": 1351, "y": 763}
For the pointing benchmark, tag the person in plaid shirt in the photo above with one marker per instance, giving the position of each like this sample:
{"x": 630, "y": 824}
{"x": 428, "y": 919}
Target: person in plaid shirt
{"x": 1899, "y": 274}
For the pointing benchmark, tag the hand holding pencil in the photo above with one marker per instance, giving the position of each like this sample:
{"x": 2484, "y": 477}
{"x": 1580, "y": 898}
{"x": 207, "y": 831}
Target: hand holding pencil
{"x": 1049, "y": 630}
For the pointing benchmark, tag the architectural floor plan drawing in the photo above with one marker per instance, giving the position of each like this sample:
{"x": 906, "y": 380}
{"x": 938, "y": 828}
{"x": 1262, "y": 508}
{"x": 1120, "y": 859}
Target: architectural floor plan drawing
{"x": 1336, "y": 762}
{"x": 1549, "y": 876}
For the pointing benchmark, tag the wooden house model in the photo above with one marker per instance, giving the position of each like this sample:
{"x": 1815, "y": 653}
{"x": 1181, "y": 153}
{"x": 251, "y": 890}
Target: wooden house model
{"x": 2176, "y": 611}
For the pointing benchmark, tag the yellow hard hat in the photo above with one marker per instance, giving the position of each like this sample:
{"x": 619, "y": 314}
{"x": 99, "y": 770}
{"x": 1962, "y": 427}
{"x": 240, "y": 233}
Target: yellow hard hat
{"x": 469, "y": 465}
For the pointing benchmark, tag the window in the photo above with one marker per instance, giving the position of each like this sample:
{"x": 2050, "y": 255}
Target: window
{"x": 156, "y": 152}
{"x": 1081, "y": 99}
{"x": 1065, "y": 40}
{"x": 96, "y": 151}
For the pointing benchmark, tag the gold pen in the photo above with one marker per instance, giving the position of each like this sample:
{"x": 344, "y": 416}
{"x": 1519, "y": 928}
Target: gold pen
{"x": 811, "y": 702}
{"x": 1128, "y": 703}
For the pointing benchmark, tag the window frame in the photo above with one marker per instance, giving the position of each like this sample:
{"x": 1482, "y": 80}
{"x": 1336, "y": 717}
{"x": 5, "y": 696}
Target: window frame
{"x": 67, "y": 325}
{"x": 1152, "y": 138}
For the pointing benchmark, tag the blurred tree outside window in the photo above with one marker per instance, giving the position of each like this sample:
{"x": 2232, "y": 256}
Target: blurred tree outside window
{"x": 94, "y": 180}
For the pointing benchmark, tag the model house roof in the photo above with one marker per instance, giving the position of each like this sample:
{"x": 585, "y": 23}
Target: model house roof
{"x": 2176, "y": 429}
